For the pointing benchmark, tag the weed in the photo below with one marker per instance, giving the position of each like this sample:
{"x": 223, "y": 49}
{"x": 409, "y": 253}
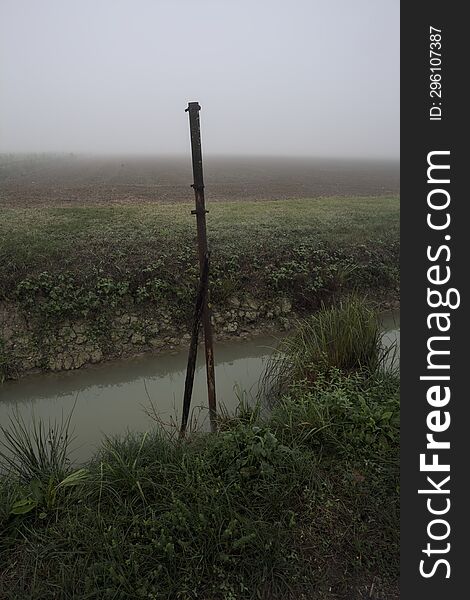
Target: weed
{"x": 147, "y": 255}
{"x": 345, "y": 336}
{"x": 38, "y": 452}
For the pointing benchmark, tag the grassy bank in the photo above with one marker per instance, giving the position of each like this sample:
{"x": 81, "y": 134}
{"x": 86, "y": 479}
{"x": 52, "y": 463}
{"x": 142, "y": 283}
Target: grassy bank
{"x": 300, "y": 504}
{"x": 62, "y": 262}
{"x": 83, "y": 283}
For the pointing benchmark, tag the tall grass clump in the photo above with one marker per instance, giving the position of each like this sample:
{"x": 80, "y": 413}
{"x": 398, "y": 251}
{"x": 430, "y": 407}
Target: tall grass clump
{"x": 345, "y": 337}
{"x": 38, "y": 451}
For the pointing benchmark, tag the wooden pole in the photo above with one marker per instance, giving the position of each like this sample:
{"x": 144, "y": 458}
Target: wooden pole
{"x": 200, "y": 212}
{"x": 192, "y": 355}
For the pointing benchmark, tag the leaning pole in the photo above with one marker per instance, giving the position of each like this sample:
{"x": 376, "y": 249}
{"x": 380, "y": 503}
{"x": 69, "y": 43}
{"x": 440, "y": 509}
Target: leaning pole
{"x": 202, "y": 303}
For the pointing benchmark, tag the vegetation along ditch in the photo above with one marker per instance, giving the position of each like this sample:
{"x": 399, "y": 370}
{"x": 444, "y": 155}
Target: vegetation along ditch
{"x": 82, "y": 284}
{"x": 297, "y": 502}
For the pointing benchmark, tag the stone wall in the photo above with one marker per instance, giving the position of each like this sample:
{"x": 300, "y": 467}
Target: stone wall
{"x": 28, "y": 346}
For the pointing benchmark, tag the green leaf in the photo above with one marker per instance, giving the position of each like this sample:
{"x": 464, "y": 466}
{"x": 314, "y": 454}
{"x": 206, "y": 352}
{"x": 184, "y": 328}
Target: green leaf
{"x": 23, "y": 506}
{"x": 76, "y": 478}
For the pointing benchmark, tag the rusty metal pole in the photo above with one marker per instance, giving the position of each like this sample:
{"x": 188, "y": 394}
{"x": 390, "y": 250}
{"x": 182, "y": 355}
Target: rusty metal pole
{"x": 192, "y": 354}
{"x": 200, "y": 212}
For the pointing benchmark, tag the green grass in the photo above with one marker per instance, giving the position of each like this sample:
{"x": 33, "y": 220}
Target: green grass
{"x": 60, "y": 263}
{"x": 39, "y": 452}
{"x": 302, "y": 503}
{"x": 345, "y": 336}
{"x": 38, "y": 236}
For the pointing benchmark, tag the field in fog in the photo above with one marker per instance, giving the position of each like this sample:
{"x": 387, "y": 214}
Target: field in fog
{"x": 47, "y": 180}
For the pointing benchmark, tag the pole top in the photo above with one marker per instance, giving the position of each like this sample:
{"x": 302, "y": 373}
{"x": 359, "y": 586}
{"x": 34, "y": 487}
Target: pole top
{"x": 193, "y": 107}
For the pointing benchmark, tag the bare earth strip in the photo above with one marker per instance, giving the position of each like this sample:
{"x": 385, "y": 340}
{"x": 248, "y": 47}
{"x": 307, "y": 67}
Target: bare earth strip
{"x": 61, "y": 180}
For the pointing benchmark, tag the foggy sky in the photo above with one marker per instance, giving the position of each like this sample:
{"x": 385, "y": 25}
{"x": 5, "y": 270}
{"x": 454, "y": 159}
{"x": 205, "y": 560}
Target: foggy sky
{"x": 297, "y": 77}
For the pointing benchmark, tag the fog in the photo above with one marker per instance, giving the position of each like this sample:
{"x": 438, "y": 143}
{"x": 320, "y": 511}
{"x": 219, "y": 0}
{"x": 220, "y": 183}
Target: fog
{"x": 296, "y": 78}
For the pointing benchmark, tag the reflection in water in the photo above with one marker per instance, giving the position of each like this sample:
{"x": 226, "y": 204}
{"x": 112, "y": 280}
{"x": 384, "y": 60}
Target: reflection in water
{"x": 113, "y": 397}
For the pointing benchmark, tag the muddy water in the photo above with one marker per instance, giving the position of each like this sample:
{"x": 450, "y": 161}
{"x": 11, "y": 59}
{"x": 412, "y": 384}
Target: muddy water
{"x": 111, "y": 398}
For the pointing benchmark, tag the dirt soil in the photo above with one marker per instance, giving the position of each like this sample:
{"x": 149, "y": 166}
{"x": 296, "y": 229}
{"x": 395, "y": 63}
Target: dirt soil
{"x": 61, "y": 180}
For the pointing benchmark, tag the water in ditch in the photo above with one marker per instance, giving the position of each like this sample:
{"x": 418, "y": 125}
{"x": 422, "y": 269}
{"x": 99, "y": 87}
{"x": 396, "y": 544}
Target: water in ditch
{"x": 111, "y": 398}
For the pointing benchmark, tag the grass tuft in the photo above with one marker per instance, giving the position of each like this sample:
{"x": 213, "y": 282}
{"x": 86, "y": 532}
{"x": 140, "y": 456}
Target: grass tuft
{"x": 346, "y": 336}
{"x": 38, "y": 451}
